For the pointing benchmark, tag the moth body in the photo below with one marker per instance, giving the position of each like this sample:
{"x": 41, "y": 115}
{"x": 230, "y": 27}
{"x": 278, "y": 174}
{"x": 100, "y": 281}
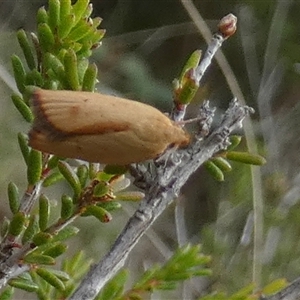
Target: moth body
{"x": 100, "y": 128}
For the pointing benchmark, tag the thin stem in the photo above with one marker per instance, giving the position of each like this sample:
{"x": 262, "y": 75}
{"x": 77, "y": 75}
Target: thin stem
{"x": 7, "y": 259}
{"x": 30, "y": 197}
{"x": 227, "y": 26}
{"x": 250, "y": 139}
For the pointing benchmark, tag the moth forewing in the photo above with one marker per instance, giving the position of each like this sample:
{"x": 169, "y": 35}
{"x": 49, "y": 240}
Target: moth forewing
{"x": 100, "y": 128}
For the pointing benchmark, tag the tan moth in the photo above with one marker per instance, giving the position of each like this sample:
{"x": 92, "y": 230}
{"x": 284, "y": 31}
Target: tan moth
{"x": 100, "y": 128}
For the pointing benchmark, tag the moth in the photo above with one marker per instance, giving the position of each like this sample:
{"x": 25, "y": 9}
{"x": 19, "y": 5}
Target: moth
{"x": 100, "y": 128}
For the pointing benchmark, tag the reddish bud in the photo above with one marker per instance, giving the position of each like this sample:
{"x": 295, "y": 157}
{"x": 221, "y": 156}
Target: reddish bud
{"x": 227, "y": 25}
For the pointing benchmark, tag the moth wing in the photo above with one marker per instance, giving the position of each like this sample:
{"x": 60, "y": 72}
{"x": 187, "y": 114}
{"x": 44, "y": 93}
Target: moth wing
{"x": 75, "y": 113}
{"x": 103, "y": 148}
{"x": 100, "y": 128}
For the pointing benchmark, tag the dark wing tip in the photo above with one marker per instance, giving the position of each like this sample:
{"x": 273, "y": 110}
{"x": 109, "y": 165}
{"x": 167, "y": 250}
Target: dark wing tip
{"x": 33, "y": 138}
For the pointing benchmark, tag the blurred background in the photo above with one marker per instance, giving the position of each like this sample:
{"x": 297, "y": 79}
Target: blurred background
{"x": 144, "y": 49}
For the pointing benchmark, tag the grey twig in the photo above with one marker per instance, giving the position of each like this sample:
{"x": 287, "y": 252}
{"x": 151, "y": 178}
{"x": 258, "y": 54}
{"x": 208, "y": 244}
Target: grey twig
{"x": 10, "y": 252}
{"x": 9, "y": 266}
{"x": 170, "y": 175}
{"x": 226, "y": 28}
{"x": 30, "y": 197}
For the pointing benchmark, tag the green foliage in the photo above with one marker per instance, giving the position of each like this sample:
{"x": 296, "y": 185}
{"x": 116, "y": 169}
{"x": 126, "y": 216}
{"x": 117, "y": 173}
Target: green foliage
{"x": 219, "y": 164}
{"x": 51, "y": 278}
{"x": 59, "y": 284}
{"x": 19, "y": 72}
{"x": 83, "y": 174}
{"x": 66, "y": 233}
{"x": 35, "y": 168}
{"x": 185, "y": 87}
{"x": 187, "y": 262}
{"x": 26, "y": 48}
{"x": 98, "y": 212}
{"x": 13, "y": 197}
{"x": 58, "y": 54}
{"x": 66, "y": 207}
{"x": 89, "y": 80}
{"x": 214, "y": 170}
{"x": 7, "y": 293}
{"x": 17, "y": 224}
{"x": 31, "y": 230}
{"x": 39, "y": 259}
{"x": 42, "y": 238}
{"x": 101, "y": 189}
{"x": 22, "y": 139}
{"x": 44, "y": 212}
{"x": 246, "y": 158}
{"x": 246, "y": 293}
{"x": 71, "y": 177}
{"x": 52, "y": 179}
{"x": 115, "y": 287}
{"x": 22, "y": 107}
{"x": 130, "y": 196}
{"x": 24, "y": 284}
